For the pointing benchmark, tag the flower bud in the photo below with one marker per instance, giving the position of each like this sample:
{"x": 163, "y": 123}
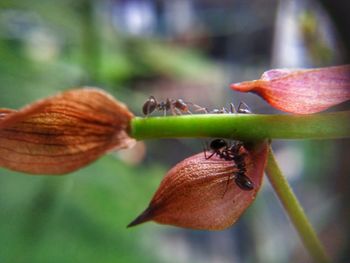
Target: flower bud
{"x": 201, "y": 193}
{"x": 63, "y": 133}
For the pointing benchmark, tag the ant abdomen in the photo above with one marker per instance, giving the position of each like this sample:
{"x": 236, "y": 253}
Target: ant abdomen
{"x": 149, "y": 106}
{"x": 244, "y": 182}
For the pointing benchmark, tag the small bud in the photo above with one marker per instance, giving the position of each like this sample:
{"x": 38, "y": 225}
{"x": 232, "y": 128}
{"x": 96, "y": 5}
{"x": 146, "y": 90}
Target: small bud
{"x": 201, "y": 193}
{"x": 301, "y": 91}
{"x": 63, "y": 133}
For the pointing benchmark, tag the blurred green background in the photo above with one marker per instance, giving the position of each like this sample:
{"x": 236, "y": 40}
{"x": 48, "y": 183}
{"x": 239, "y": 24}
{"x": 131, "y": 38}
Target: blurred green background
{"x": 177, "y": 49}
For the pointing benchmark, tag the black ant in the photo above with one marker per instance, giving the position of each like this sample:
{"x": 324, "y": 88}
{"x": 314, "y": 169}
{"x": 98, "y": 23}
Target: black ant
{"x": 176, "y": 106}
{"x": 232, "y": 153}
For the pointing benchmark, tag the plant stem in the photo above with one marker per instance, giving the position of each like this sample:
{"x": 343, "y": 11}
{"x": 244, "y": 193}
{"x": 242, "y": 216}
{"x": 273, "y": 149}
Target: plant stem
{"x": 294, "y": 210}
{"x": 244, "y": 126}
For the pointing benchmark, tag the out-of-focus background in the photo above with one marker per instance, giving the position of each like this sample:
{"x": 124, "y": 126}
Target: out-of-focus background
{"x": 178, "y": 49}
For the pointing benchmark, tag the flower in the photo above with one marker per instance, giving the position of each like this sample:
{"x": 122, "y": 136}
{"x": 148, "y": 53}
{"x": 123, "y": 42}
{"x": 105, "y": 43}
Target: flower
{"x": 63, "y": 133}
{"x": 200, "y": 193}
{"x": 301, "y": 91}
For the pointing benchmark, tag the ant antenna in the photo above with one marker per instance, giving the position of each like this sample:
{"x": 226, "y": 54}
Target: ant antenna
{"x": 232, "y": 108}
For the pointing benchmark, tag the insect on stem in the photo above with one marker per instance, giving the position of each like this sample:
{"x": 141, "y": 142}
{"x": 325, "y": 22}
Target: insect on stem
{"x": 175, "y": 106}
{"x": 232, "y": 152}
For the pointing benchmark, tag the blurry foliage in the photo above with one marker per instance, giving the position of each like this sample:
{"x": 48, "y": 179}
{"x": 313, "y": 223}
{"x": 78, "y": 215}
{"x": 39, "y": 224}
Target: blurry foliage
{"x": 46, "y": 46}
{"x": 319, "y": 49}
{"x": 144, "y": 59}
{"x": 75, "y": 218}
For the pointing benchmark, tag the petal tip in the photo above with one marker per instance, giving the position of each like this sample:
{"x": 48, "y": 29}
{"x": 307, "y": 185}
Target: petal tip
{"x": 145, "y": 216}
{"x": 247, "y": 86}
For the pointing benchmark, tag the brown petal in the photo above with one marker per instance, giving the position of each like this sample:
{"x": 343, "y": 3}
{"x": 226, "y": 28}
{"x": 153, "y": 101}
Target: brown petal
{"x": 60, "y": 134}
{"x": 194, "y": 193}
{"x": 301, "y": 91}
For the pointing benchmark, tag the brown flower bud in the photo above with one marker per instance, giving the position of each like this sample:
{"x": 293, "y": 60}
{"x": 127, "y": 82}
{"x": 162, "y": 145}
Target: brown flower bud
{"x": 200, "y": 193}
{"x": 63, "y": 133}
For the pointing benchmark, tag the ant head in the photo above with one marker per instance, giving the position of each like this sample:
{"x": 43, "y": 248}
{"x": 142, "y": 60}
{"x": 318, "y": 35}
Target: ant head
{"x": 217, "y": 144}
{"x": 149, "y": 106}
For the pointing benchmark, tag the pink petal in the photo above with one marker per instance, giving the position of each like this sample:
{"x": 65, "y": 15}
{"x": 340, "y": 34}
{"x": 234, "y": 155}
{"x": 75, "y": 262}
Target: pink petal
{"x": 301, "y": 91}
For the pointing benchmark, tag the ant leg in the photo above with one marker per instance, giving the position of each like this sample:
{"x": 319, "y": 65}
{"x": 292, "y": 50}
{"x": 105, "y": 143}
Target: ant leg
{"x": 180, "y": 111}
{"x": 232, "y": 108}
{"x": 205, "y": 152}
{"x": 226, "y": 188}
{"x": 243, "y": 108}
{"x": 176, "y": 111}
{"x": 208, "y": 157}
{"x": 204, "y": 110}
{"x": 199, "y": 108}
{"x": 205, "y": 147}
{"x": 168, "y": 105}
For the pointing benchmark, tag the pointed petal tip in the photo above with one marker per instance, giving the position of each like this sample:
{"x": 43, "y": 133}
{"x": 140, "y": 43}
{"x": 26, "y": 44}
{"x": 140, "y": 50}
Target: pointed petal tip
{"x": 142, "y": 218}
{"x": 240, "y": 86}
{"x": 247, "y": 86}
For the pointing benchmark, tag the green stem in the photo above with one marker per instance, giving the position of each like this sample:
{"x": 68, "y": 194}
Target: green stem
{"x": 91, "y": 40}
{"x": 244, "y": 126}
{"x": 295, "y": 211}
